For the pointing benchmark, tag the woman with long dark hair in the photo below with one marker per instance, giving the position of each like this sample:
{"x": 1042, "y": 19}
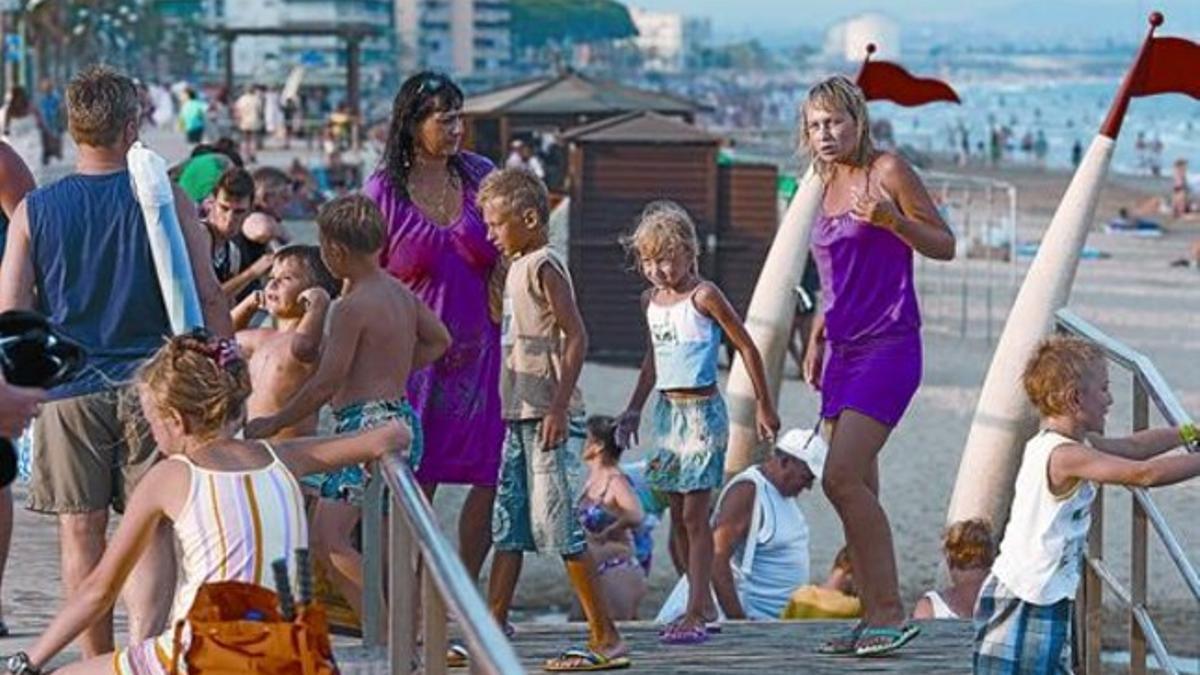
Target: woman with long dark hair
{"x": 437, "y": 245}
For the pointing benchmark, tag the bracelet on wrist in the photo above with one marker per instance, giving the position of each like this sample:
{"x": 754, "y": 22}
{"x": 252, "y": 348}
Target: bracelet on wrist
{"x": 1190, "y": 435}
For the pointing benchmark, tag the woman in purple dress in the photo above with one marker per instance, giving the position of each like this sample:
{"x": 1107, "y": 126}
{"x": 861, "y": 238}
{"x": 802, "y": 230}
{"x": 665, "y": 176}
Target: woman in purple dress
{"x": 864, "y": 352}
{"x": 437, "y": 245}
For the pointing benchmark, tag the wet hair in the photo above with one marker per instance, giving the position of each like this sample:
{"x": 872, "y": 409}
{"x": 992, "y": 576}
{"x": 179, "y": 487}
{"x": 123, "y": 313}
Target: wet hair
{"x": 1053, "y": 374}
{"x": 353, "y": 221}
{"x": 602, "y": 430}
{"x": 226, "y": 146}
{"x": 663, "y": 228}
{"x": 838, "y": 94}
{"x": 271, "y": 179}
{"x": 420, "y": 96}
{"x": 202, "y": 378}
{"x": 235, "y": 183}
{"x": 969, "y": 545}
{"x": 519, "y": 189}
{"x": 309, "y": 258}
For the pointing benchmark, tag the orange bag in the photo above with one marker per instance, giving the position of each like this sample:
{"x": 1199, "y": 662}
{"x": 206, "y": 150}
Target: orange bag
{"x": 225, "y": 642}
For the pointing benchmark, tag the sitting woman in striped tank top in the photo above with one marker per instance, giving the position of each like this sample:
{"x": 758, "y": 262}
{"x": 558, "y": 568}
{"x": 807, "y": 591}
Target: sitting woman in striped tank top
{"x": 235, "y": 505}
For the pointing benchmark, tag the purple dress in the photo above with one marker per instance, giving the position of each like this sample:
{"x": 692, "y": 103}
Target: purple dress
{"x": 872, "y": 324}
{"x": 458, "y": 396}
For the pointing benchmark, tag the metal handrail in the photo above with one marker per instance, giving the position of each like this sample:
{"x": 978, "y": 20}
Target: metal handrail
{"x": 1148, "y": 384}
{"x": 445, "y": 584}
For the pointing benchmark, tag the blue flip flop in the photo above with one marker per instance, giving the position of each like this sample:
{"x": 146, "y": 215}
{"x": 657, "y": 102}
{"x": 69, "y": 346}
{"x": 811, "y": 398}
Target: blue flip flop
{"x": 896, "y": 638}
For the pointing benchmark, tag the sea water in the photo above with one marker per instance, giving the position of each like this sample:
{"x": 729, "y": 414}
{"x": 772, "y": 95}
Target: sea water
{"x": 1066, "y": 111}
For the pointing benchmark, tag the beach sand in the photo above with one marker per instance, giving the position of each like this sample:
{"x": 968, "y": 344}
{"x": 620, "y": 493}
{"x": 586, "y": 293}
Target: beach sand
{"x": 1134, "y": 295}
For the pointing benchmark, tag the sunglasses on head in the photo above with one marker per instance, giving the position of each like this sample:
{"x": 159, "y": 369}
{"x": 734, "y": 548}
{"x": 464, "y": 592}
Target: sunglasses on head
{"x": 431, "y": 84}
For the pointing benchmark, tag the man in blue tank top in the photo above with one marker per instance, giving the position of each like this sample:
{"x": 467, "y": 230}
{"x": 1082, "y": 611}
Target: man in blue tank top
{"x": 78, "y": 252}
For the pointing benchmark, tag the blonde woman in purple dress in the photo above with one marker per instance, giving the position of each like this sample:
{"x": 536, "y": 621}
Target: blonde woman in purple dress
{"x": 864, "y": 353}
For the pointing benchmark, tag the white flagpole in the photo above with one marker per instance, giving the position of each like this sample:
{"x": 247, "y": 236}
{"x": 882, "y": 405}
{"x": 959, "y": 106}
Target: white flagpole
{"x": 1004, "y": 420}
{"x": 769, "y": 319}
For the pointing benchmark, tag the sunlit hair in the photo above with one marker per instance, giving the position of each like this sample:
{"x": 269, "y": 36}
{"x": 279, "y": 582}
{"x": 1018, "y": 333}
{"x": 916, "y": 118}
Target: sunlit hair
{"x": 271, "y": 179}
{"x": 519, "y": 189}
{"x": 353, "y": 221}
{"x": 663, "y": 229}
{"x": 100, "y": 103}
{"x": 1053, "y": 374}
{"x": 837, "y": 94}
{"x": 201, "y": 378}
{"x": 969, "y": 545}
{"x": 602, "y": 431}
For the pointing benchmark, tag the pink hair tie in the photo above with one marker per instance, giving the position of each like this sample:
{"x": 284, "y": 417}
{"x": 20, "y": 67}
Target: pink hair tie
{"x": 227, "y": 353}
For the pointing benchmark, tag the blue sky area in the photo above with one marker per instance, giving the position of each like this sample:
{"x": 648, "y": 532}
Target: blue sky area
{"x": 773, "y": 20}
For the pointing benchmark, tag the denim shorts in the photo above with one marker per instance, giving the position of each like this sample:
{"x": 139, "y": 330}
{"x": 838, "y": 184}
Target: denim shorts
{"x": 690, "y": 436}
{"x": 535, "y": 497}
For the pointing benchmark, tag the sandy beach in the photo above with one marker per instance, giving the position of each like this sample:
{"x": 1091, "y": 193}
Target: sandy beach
{"x": 1134, "y": 295}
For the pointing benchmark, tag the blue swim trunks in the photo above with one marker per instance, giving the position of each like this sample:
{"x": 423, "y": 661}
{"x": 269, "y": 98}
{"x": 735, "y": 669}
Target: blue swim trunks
{"x": 348, "y": 483}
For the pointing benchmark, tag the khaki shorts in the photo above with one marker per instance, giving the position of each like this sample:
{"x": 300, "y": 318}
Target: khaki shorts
{"x": 83, "y": 457}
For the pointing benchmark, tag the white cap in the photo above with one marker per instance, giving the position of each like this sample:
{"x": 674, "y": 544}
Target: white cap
{"x": 807, "y": 446}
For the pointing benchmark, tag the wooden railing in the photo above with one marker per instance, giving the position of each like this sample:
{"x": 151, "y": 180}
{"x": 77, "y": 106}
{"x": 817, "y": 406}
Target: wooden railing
{"x": 1148, "y": 385}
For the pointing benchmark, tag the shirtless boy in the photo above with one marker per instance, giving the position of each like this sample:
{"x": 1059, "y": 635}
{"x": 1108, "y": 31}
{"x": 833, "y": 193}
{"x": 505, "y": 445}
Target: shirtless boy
{"x": 282, "y": 358}
{"x": 378, "y": 333}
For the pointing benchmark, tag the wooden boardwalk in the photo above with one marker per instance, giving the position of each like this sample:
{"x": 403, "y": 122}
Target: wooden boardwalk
{"x": 775, "y": 647}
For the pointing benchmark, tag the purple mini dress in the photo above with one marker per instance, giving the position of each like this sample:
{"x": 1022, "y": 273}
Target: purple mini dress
{"x": 872, "y": 324}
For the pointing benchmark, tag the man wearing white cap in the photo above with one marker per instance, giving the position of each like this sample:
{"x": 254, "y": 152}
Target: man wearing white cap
{"x": 760, "y": 535}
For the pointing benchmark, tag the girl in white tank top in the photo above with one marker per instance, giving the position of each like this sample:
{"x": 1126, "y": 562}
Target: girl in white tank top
{"x": 235, "y": 505}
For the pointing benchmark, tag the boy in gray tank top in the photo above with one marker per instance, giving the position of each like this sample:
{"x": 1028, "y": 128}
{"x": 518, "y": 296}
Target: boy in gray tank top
{"x": 544, "y": 343}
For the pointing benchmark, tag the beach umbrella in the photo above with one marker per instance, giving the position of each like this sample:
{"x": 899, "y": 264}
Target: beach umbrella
{"x": 773, "y": 303}
{"x": 291, "y": 88}
{"x": 1004, "y": 420}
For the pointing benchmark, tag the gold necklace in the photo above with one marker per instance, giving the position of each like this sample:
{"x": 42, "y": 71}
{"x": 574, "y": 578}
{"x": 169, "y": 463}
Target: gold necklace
{"x": 442, "y": 208}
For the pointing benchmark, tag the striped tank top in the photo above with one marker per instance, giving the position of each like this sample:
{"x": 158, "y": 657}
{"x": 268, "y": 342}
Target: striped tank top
{"x": 234, "y": 524}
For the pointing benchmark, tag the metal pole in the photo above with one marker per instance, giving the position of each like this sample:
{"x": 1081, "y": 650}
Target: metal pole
{"x": 989, "y": 239}
{"x": 1137, "y": 548}
{"x": 962, "y": 299}
{"x": 435, "y": 624}
{"x": 372, "y": 545}
{"x": 402, "y": 586}
{"x": 227, "y": 49}
{"x": 1094, "y": 588}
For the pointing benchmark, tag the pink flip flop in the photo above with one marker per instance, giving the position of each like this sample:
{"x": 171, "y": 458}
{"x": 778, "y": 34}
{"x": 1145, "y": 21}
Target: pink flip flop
{"x": 684, "y": 636}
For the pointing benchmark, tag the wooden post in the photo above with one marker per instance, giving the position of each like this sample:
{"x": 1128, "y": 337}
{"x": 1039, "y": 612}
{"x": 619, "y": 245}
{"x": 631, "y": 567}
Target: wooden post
{"x": 1137, "y": 547}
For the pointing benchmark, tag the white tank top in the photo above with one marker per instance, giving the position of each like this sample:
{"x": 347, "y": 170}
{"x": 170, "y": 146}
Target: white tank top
{"x": 234, "y": 524}
{"x": 1041, "y": 555}
{"x": 774, "y": 560}
{"x": 686, "y": 345}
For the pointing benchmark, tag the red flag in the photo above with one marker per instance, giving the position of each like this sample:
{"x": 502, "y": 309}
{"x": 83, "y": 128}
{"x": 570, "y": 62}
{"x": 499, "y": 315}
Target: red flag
{"x": 1164, "y": 65}
{"x": 1172, "y": 66}
{"x": 885, "y": 81}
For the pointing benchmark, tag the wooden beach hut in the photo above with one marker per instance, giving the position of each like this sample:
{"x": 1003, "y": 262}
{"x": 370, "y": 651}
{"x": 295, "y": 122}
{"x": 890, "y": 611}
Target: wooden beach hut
{"x": 616, "y": 166}
{"x": 555, "y": 103}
